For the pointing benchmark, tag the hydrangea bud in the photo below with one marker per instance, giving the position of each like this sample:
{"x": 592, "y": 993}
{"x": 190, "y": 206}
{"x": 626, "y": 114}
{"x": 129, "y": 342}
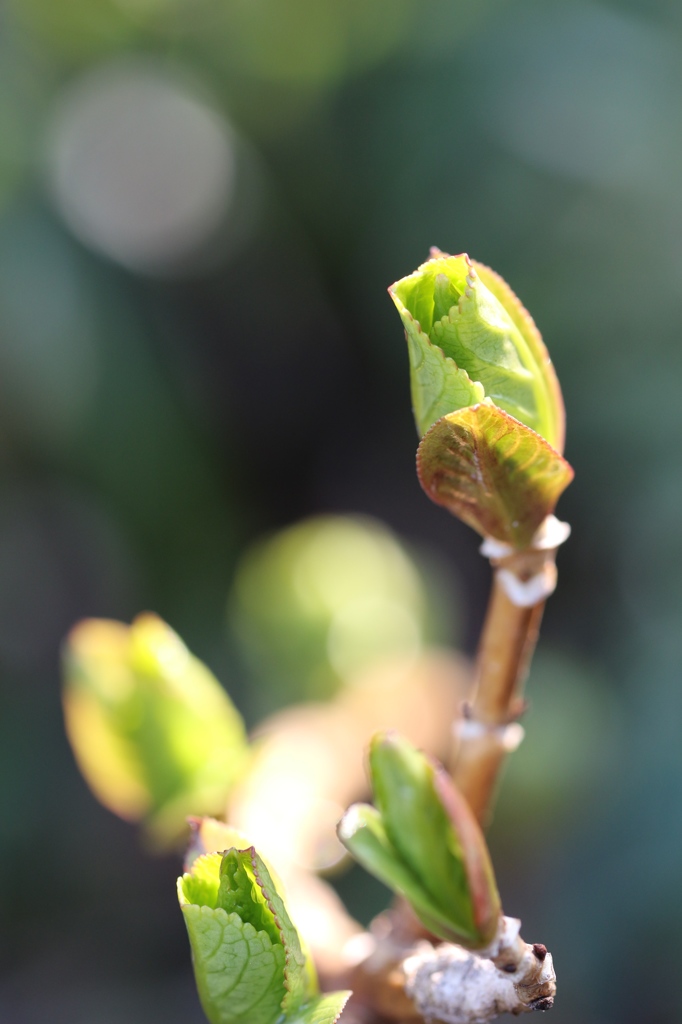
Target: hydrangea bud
{"x": 486, "y": 400}
{"x": 249, "y": 962}
{"x": 469, "y": 340}
{"x": 422, "y": 840}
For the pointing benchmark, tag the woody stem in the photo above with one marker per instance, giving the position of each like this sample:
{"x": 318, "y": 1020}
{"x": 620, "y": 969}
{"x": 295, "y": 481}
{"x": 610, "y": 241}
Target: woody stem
{"x": 487, "y": 733}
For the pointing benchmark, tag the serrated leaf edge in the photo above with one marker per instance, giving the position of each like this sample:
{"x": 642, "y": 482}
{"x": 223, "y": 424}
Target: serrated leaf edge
{"x": 439, "y": 351}
{"x": 288, "y": 952}
{"x": 290, "y": 957}
{"x": 222, "y": 915}
{"x": 436, "y": 349}
{"x": 347, "y": 993}
{"x": 519, "y": 315}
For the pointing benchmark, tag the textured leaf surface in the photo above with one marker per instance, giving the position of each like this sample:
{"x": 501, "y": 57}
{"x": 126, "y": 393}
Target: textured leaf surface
{"x": 240, "y": 893}
{"x": 235, "y": 892}
{"x": 480, "y": 337}
{"x": 323, "y": 1010}
{"x": 438, "y": 385}
{"x": 493, "y": 472}
{"x": 489, "y": 345}
{"x": 239, "y": 971}
{"x": 299, "y": 980}
{"x": 556, "y": 428}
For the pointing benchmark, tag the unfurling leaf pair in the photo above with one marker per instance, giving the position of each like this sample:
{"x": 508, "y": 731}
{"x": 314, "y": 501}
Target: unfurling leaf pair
{"x": 249, "y": 964}
{"x": 154, "y": 733}
{"x": 486, "y": 399}
{"x": 422, "y": 840}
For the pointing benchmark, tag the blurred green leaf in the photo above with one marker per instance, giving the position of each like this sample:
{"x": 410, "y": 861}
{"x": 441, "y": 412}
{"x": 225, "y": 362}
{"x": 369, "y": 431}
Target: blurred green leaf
{"x": 80, "y": 28}
{"x": 310, "y": 43}
{"x": 324, "y": 599}
{"x": 154, "y": 733}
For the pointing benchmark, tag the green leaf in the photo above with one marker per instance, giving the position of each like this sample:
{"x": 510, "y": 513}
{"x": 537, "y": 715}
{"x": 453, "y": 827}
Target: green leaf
{"x": 325, "y": 1009}
{"x": 433, "y": 289}
{"x": 154, "y": 733}
{"x": 423, "y": 841}
{"x": 434, "y": 832}
{"x": 417, "y": 825}
{"x": 202, "y": 884}
{"x": 239, "y": 972}
{"x": 236, "y": 887}
{"x": 438, "y": 384}
{"x": 472, "y": 847}
{"x": 239, "y": 893}
{"x": 489, "y": 346}
{"x": 478, "y": 337}
{"x": 493, "y": 472}
{"x": 555, "y": 431}
{"x": 299, "y": 976}
{"x": 362, "y": 832}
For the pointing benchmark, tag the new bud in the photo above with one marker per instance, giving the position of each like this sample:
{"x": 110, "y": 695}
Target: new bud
{"x": 469, "y": 340}
{"x": 422, "y": 840}
{"x": 249, "y": 963}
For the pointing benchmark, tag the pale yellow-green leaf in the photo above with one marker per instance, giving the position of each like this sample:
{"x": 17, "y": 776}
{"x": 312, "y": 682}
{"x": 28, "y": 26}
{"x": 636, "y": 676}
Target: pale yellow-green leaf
{"x": 154, "y": 733}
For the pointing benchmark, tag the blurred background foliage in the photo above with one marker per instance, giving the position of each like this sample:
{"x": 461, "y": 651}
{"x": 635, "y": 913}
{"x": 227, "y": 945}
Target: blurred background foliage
{"x": 201, "y": 205}
{"x": 315, "y": 604}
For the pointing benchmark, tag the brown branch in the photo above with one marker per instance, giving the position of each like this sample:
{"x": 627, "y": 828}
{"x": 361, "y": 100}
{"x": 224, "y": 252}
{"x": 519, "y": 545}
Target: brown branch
{"x": 489, "y": 730}
{"x": 506, "y": 648}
